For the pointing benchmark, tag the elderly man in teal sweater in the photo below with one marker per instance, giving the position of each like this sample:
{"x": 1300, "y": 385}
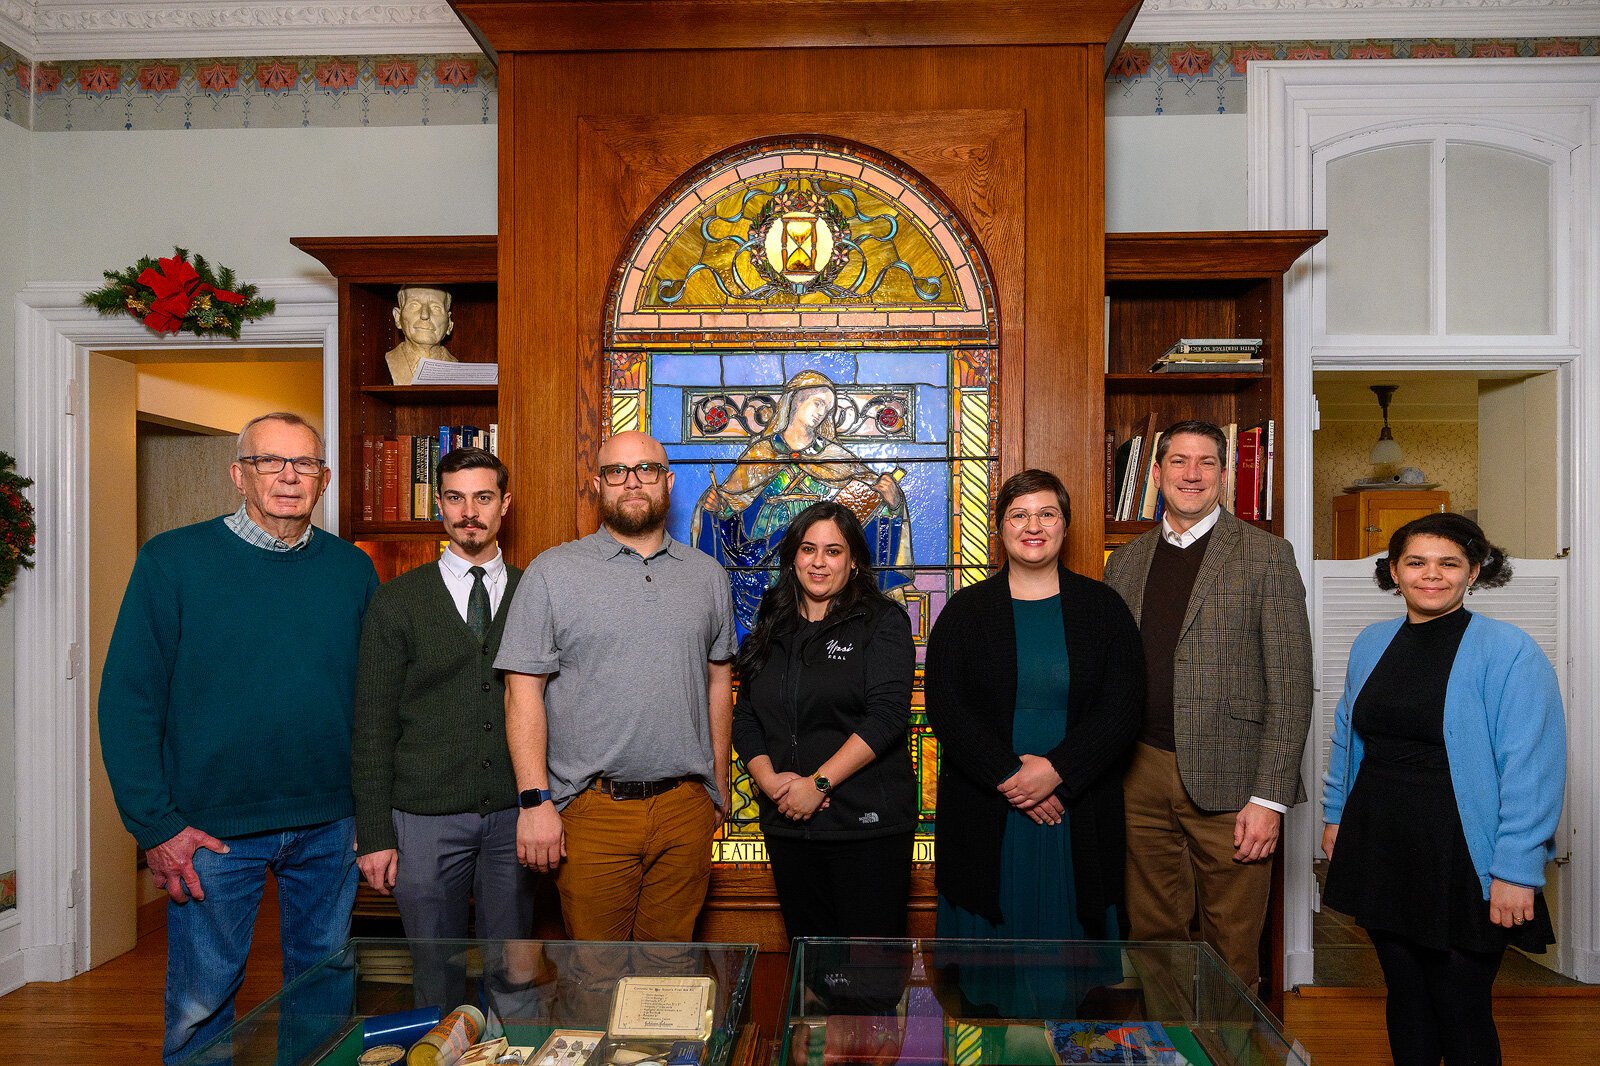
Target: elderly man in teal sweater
{"x": 436, "y": 799}
{"x": 225, "y": 714}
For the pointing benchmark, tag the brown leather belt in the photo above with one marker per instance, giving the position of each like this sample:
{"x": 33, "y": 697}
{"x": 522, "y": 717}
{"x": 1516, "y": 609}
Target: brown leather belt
{"x": 637, "y": 790}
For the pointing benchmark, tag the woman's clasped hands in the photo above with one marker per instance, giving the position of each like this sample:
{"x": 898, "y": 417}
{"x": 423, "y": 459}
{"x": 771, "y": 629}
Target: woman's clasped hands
{"x": 797, "y": 797}
{"x": 1031, "y": 790}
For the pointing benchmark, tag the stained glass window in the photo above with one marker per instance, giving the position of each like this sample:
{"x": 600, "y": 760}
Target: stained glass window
{"x": 806, "y": 319}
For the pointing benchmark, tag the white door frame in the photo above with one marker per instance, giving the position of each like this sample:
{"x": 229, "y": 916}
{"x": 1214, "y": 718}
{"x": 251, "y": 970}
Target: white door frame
{"x": 47, "y": 937}
{"x": 1286, "y": 102}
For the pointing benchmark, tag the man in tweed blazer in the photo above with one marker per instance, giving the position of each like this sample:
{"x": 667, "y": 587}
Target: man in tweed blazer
{"x": 1221, "y": 612}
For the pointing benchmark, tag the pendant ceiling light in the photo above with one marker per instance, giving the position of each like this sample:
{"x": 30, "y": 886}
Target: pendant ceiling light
{"x": 1386, "y": 452}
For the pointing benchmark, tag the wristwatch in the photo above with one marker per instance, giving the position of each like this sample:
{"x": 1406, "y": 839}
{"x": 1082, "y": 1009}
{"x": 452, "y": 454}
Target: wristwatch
{"x": 822, "y": 783}
{"x": 532, "y": 797}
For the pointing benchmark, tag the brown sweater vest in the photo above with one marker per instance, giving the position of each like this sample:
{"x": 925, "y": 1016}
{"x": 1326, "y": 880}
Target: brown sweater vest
{"x": 1166, "y": 600}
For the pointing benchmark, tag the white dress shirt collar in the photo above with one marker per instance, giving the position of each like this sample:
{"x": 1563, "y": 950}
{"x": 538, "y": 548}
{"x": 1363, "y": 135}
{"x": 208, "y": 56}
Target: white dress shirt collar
{"x": 456, "y": 572}
{"x": 1194, "y": 532}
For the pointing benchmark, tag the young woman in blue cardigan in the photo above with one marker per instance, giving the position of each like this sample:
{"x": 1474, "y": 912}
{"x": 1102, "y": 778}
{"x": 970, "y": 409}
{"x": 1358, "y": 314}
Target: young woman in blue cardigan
{"x": 1443, "y": 792}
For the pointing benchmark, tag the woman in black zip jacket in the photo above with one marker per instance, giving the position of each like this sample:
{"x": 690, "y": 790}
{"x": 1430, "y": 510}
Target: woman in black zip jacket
{"x": 824, "y": 699}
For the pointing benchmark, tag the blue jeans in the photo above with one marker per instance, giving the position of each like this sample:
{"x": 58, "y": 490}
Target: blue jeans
{"x": 208, "y": 940}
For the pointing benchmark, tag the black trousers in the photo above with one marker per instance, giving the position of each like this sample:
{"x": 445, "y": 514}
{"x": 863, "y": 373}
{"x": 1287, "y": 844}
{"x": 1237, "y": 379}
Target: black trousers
{"x": 1439, "y": 1004}
{"x": 847, "y": 888}
{"x": 843, "y": 888}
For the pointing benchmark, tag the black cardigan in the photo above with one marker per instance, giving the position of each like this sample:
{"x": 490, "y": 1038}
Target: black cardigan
{"x": 970, "y": 689}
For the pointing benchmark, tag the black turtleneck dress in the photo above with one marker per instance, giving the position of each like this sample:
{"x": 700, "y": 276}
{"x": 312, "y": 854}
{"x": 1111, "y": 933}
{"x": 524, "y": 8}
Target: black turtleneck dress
{"x": 1401, "y": 863}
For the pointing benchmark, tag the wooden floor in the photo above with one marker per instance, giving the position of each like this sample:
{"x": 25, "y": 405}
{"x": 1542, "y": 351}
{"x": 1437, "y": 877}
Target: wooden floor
{"x": 113, "y": 1013}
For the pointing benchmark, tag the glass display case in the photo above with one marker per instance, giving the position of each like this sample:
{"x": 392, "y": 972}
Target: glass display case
{"x": 1021, "y": 1002}
{"x": 569, "y": 1003}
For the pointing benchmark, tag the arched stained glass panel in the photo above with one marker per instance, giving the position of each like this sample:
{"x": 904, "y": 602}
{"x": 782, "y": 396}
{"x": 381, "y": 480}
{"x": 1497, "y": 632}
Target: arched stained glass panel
{"x": 806, "y": 319}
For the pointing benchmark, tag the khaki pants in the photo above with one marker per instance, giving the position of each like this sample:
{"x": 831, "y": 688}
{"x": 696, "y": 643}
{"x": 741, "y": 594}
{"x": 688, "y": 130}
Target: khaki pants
{"x": 636, "y": 869}
{"x": 1180, "y": 868}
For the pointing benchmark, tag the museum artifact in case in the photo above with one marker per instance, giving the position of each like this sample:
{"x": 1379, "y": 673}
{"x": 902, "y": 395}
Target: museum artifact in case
{"x": 446, "y": 1002}
{"x": 1021, "y": 1002}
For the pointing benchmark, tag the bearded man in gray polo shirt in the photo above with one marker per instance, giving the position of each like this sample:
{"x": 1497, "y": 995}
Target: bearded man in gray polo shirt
{"x": 619, "y": 709}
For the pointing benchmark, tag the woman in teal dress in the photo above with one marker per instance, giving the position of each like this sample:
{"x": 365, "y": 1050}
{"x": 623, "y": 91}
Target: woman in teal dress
{"x": 1035, "y": 690}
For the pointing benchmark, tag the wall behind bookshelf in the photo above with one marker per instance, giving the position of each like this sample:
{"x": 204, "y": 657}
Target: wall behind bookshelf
{"x": 370, "y": 271}
{"x": 1161, "y": 287}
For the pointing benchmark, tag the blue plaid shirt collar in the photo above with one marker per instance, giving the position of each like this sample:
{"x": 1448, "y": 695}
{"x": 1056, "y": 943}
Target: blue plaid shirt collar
{"x": 251, "y": 533}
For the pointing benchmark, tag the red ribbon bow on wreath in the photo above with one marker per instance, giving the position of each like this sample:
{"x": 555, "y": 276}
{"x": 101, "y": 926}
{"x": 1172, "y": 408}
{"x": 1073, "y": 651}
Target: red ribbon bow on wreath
{"x": 177, "y": 285}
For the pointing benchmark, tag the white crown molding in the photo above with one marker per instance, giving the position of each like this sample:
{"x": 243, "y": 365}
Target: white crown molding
{"x": 16, "y": 26}
{"x": 1299, "y": 20}
{"x": 178, "y": 29}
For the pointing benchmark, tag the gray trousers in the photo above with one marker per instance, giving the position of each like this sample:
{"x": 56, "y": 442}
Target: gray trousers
{"x": 447, "y": 862}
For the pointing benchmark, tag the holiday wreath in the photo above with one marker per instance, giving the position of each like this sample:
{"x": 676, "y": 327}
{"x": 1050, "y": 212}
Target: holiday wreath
{"x": 16, "y": 524}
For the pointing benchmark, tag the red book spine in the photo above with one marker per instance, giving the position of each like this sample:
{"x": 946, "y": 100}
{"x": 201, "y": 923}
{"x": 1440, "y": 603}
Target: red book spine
{"x": 368, "y": 477}
{"x": 403, "y": 509}
{"x": 1247, "y": 502}
{"x": 391, "y": 479}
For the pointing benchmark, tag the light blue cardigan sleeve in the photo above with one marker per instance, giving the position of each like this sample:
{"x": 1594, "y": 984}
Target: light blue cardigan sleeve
{"x": 1527, "y": 732}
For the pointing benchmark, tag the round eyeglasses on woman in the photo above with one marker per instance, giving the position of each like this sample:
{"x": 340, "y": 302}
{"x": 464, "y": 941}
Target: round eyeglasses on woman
{"x": 274, "y": 464}
{"x": 1048, "y": 517}
{"x": 647, "y": 473}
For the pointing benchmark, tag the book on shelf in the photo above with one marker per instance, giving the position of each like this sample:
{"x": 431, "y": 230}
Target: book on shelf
{"x": 1130, "y": 472}
{"x": 1108, "y": 494}
{"x": 1136, "y": 474}
{"x": 1150, "y": 497}
{"x": 368, "y": 466}
{"x": 1114, "y": 498}
{"x": 1207, "y": 366}
{"x": 1271, "y": 449}
{"x": 1247, "y": 493}
{"x": 421, "y": 478}
{"x": 449, "y": 372}
{"x": 390, "y": 510}
{"x": 398, "y": 471}
{"x": 1230, "y": 457}
{"x": 1215, "y": 345}
{"x": 403, "y": 480}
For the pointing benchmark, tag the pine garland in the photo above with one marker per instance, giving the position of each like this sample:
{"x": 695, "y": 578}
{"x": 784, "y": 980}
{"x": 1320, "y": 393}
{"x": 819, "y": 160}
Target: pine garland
{"x": 17, "y": 530}
{"x": 175, "y": 294}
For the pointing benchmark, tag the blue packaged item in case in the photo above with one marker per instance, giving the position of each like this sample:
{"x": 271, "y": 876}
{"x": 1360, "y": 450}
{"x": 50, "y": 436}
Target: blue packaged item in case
{"x": 686, "y": 1053}
{"x": 404, "y": 1027}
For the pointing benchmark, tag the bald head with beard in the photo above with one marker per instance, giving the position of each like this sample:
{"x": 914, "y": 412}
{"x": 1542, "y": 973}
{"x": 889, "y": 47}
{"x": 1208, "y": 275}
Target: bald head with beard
{"x": 632, "y": 508}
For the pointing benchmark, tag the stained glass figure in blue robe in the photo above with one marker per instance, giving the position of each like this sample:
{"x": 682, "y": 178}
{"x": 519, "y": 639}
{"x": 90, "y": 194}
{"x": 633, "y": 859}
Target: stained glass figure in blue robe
{"x": 793, "y": 462}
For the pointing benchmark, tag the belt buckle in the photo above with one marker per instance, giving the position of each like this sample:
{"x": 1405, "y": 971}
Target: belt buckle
{"x": 625, "y": 790}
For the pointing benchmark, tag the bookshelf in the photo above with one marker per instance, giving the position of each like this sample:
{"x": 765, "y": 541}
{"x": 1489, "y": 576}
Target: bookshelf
{"x": 369, "y": 272}
{"x": 1163, "y": 286}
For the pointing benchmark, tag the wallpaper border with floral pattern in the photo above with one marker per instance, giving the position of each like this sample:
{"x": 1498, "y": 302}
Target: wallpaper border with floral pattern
{"x": 266, "y": 92}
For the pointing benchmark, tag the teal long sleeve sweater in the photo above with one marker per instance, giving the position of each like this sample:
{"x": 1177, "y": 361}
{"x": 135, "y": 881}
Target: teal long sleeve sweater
{"x": 225, "y": 702}
{"x": 430, "y": 730}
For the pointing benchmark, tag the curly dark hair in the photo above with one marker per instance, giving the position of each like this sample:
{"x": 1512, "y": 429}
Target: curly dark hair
{"x": 1494, "y": 569}
{"x": 780, "y": 606}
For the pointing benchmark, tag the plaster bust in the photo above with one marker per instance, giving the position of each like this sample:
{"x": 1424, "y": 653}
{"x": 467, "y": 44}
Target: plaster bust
{"x": 423, "y": 317}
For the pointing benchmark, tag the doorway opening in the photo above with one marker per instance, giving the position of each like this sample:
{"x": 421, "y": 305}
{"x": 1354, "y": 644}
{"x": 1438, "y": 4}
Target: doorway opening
{"x": 1391, "y": 446}
{"x": 162, "y": 428}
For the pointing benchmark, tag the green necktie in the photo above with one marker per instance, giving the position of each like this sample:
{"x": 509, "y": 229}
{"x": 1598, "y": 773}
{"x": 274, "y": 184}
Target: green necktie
{"x": 478, "y": 603}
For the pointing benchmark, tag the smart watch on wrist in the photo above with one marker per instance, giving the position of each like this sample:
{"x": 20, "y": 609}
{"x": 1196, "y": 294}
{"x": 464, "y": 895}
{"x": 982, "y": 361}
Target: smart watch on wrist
{"x": 532, "y": 797}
